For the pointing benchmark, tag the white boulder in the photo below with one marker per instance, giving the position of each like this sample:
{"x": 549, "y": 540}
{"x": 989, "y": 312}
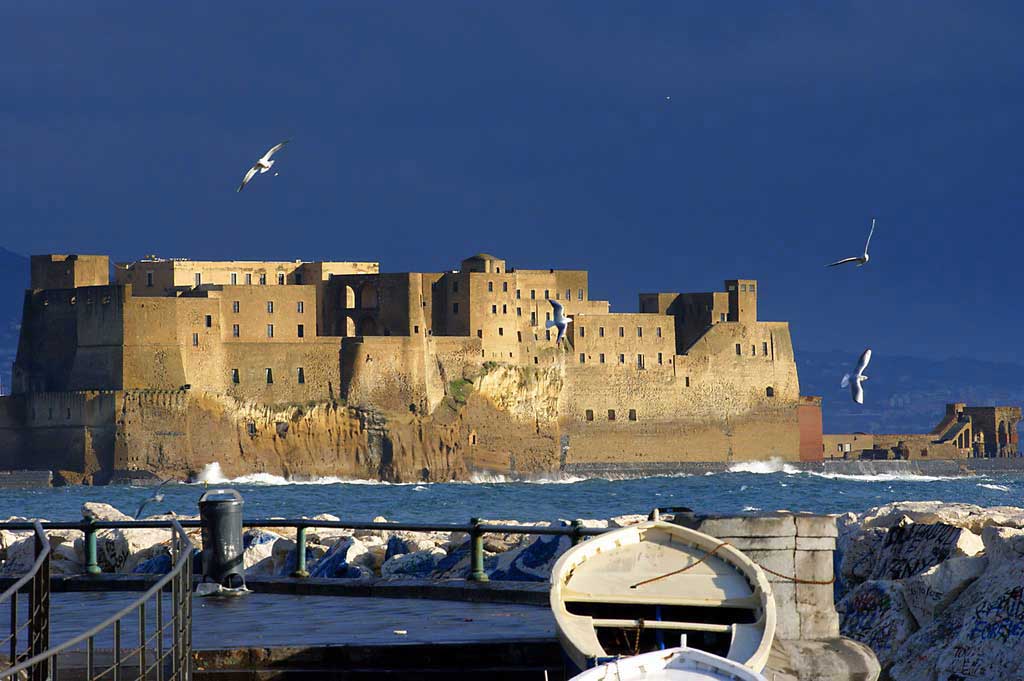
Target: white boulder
{"x": 418, "y": 564}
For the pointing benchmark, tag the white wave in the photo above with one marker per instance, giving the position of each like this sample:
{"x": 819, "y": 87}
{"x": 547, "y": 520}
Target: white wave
{"x": 499, "y": 478}
{"x": 773, "y": 465}
{"x": 419, "y": 488}
{"x": 748, "y": 509}
{"x": 212, "y": 474}
{"x": 880, "y": 477}
{"x": 1000, "y": 488}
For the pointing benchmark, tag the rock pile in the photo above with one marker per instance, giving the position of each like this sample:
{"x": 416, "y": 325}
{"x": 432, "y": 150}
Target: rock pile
{"x": 936, "y": 589}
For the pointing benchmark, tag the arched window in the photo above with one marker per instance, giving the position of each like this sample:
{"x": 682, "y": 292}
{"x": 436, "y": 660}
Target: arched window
{"x": 769, "y": 391}
{"x": 368, "y": 296}
{"x": 348, "y": 300}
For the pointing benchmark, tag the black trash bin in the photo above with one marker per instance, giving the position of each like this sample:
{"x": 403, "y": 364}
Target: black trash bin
{"x": 220, "y": 511}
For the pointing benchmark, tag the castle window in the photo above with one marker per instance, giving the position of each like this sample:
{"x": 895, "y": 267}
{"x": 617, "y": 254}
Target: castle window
{"x": 751, "y": 288}
{"x": 455, "y": 308}
{"x": 579, "y": 294}
{"x": 302, "y": 330}
{"x": 590, "y": 414}
{"x": 632, "y": 414}
{"x": 687, "y": 381}
{"x": 600, "y": 331}
{"x": 547, "y": 334}
{"x": 639, "y": 361}
{"x": 234, "y": 278}
{"x": 721, "y": 317}
{"x": 568, "y": 294}
{"x": 73, "y": 300}
{"x": 769, "y": 392}
{"x": 659, "y": 358}
{"x": 639, "y": 332}
{"x": 251, "y": 427}
{"x": 234, "y": 376}
{"x": 300, "y": 307}
{"x": 504, "y": 309}
{"x": 533, "y": 294}
{"x": 270, "y": 307}
{"x": 270, "y": 330}
{"x": 657, "y": 332}
{"x": 209, "y": 321}
{"x": 280, "y": 279}
{"x": 235, "y": 306}
{"x": 547, "y": 294}
{"x": 490, "y": 287}
{"x": 622, "y": 359}
{"x": 535, "y": 360}
{"x": 504, "y": 287}
{"x": 622, "y": 332}
{"x": 732, "y": 287}
{"x": 611, "y": 414}
{"x": 234, "y": 330}
{"x": 519, "y": 336}
{"x": 519, "y": 312}
{"x": 753, "y": 351}
{"x": 739, "y": 349}
{"x": 455, "y": 286}
{"x": 600, "y": 358}
{"x": 533, "y": 319}
{"x": 248, "y": 279}
{"x": 149, "y": 279}
{"x": 263, "y": 280}
{"x": 743, "y": 288}
{"x": 494, "y": 309}
{"x": 583, "y": 358}
{"x": 583, "y": 331}
{"x": 479, "y": 333}
{"x": 302, "y": 375}
{"x": 416, "y": 329}
{"x": 270, "y": 376}
{"x": 764, "y": 349}
{"x": 195, "y": 340}
{"x": 547, "y": 316}
{"x": 501, "y": 331}
{"x": 199, "y": 278}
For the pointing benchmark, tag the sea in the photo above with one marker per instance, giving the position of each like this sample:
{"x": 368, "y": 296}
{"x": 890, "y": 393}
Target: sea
{"x": 746, "y": 487}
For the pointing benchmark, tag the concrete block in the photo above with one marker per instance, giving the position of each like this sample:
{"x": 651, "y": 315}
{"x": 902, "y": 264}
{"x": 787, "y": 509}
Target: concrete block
{"x": 838, "y": 659}
{"x": 814, "y": 597}
{"x": 787, "y": 617}
{"x": 819, "y": 625}
{"x": 808, "y": 525}
{"x": 763, "y": 543}
{"x": 814, "y": 565}
{"x": 815, "y": 543}
{"x": 727, "y": 527}
{"x": 777, "y": 561}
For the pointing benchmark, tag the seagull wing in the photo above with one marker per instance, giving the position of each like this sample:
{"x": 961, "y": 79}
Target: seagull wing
{"x": 559, "y": 309}
{"x": 273, "y": 150}
{"x": 868, "y": 242}
{"x": 248, "y": 176}
{"x": 862, "y": 363}
{"x": 857, "y": 391}
{"x": 843, "y": 262}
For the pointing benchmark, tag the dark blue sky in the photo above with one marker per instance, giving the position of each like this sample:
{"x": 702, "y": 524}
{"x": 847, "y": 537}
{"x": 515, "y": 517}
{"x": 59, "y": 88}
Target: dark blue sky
{"x": 425, "y": 132}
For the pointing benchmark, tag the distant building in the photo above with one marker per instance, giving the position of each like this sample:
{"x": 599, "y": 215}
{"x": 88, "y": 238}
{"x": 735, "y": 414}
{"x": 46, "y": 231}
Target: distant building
{"x": 964, "y": 432}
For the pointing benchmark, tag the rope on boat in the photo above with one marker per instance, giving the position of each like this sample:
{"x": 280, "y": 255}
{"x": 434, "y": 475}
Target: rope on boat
{"x": 708, "y": 554}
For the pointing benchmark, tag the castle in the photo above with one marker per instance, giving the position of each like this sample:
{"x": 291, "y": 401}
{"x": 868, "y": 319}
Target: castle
{"x": 335, "y": 368}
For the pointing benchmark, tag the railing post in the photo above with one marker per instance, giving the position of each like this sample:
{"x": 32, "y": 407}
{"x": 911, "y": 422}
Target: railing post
{"x": 577, "y": 525}
{"x": 300, "y": 553}
{"x": 476, "y": 538}
{"x": 92, "y": 565}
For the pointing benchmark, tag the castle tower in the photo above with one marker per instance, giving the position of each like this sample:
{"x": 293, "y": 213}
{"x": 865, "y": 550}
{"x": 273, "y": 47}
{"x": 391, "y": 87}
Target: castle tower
{"x": 742, "y": 299}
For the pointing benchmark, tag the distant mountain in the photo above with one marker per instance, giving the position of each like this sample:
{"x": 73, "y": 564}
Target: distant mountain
{"x": 905, "y": 394}
{"x": 13, "y": 282}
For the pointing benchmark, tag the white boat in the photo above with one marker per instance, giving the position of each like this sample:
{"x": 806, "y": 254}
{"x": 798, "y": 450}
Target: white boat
{"x": 673, "y": 664}
{"x": 657, "y": 585}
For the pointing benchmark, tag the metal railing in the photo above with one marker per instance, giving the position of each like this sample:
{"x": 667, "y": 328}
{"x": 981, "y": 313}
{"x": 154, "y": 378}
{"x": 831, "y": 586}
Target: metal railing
{"x": 163, "y": 632}
{"x": 36, "y": 627}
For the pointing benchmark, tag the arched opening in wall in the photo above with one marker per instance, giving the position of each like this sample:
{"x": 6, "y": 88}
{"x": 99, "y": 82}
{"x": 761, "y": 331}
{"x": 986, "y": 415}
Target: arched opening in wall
{"x": 590, "y": 414}
{"x": 1004, "y": 436}
{"x": 368, "y": 296}
{"x": 367, "y": 327}
{"x": 348, "y": 297}
{"x": 769, "y": 392}
{"x": 349, "y": 328}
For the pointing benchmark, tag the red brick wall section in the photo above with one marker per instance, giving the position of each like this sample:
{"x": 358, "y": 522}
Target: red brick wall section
{"x": 809, "y": 420}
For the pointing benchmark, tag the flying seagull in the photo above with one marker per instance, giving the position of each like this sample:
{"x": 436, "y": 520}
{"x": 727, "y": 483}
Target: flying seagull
{"x": 156, "y": 498}
{"x": 560, "y": 320}
{"x": 854, "y": 382}
{"x": 861, "y": 260}
{"x": 262, "y": 165}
